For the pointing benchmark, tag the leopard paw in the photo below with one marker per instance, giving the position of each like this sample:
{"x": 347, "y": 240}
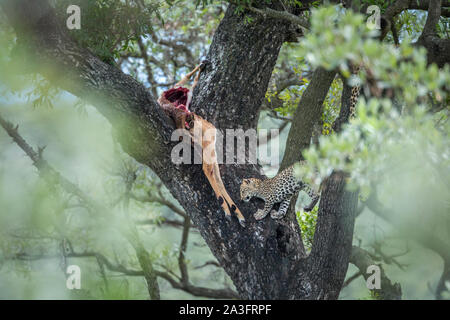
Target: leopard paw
{"x": 259, "y": 214}
{"x": 276, "y": 214}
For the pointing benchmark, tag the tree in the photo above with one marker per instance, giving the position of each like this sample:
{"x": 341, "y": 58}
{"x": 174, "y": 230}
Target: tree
{"x": 267, "y": 259}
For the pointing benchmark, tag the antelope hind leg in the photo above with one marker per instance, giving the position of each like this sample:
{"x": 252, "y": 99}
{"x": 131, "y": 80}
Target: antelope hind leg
{"x": 187, "y": 77}
{"x": 209, "y": 173}
{"x": 225, "y": 194}
{"x": 211, "y": 168}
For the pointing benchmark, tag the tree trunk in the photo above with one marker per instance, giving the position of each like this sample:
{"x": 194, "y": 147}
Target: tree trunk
{"x": 265, "y": 260}
{"x": 307, "y": 114}
{"x": 326, "y": 266}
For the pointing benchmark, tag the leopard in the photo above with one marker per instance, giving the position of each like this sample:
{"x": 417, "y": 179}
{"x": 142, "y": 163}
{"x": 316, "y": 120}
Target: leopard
{"x": 282, "y": 187}
{"x": 355, "y": 92}
{"x": 279, "y": 189}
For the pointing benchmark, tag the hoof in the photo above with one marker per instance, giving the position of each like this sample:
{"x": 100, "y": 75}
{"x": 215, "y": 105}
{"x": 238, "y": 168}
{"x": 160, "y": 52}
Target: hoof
{"x": 242, "y": 222}
{"x": 228, "y": 216}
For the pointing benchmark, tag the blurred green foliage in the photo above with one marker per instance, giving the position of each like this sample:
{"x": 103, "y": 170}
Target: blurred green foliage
{"x": 401, "y": 145}
{"x": 110, "y": 27}
{"x": 307, "y": 223}
{"x": 381, "y": 129}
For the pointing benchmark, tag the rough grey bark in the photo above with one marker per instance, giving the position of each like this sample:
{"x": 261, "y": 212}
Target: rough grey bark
{"x": 344, "y": 111}
{"x": 332, "y": 244}
{"x": 266, "y": 260}
{"x": 242, "y": 57}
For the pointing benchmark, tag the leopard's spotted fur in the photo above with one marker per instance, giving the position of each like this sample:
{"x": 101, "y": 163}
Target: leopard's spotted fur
{"x": 354, "y": 94}
{"x": 278, "y": 189}
{"x": 283, "y": 186}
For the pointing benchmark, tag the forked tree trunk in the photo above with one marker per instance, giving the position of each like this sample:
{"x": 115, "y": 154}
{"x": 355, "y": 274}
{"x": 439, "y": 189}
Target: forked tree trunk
{"x": 266, "y": 260}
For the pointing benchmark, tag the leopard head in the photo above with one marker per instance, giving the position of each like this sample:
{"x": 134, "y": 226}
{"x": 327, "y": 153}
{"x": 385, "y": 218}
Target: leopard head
{"x": 249, "y": 188}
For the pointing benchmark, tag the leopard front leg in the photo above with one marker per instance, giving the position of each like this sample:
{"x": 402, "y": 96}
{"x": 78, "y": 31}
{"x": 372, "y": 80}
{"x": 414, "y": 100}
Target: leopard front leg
{"x": 284, "y": 205}
{"x": 261, "y": 213}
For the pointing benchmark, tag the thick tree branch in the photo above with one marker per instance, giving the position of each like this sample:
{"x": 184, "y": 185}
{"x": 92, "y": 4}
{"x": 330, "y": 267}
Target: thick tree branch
{"x": 438, "y": 49}
{"x": 362, "y": 260}
{"x": 306, "y": 115}
{"x": 283, "y": 15}
{"x": 344, "y": 111}
{"x": 332, "y": 244}
{"x": 120, "y": 98}
{"x": 424, "y": 5}
{"x": 396, "y": 8}
{"x": 434, "y": 13}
